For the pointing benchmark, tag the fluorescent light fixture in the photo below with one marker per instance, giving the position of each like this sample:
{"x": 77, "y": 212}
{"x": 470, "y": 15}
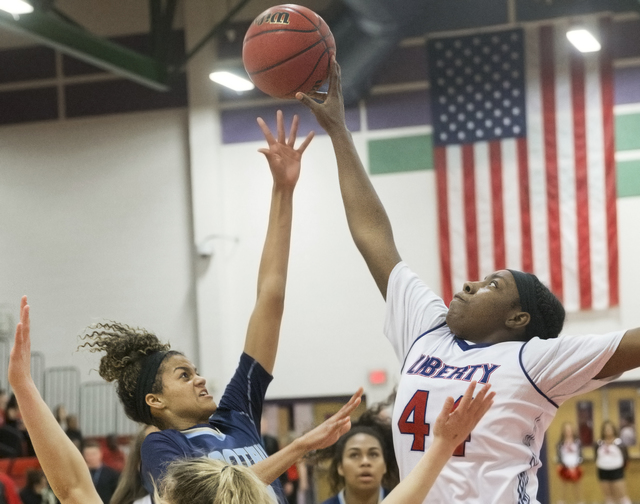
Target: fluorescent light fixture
{"x": 583, "y": 40}
{"x": 232, "y": 81}
{"x": 16, "y": 6}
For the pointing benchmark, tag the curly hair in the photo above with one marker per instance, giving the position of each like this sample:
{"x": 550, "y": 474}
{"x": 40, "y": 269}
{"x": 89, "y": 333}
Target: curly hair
{"x": 124, "y": 348}
{"x": 372, "y": 424}
{"x": 551, "y": 310}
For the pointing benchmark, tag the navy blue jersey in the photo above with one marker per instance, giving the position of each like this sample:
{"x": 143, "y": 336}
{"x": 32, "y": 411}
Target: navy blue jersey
{"x": 232, "y": 435}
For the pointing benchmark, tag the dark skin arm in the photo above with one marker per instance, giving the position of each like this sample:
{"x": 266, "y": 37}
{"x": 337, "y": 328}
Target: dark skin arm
{"x": 626, "y": 356}
{"x": 368, "y": 222}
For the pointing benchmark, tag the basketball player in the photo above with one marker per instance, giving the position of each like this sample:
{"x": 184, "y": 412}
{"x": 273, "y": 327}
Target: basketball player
{"x": 161, "y": 387}
{"x": 204, "y": 480}
{"x": 501, "y": 330}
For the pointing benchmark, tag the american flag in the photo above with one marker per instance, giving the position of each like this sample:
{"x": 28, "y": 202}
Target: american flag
{"x": 524, "y": 158}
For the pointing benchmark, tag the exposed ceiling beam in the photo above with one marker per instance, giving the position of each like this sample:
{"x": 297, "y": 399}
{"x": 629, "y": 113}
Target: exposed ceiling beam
{"x": 75, "y": 41}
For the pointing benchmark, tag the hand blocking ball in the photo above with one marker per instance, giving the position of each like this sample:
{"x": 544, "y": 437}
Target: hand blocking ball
{"x": 287, "y": 49}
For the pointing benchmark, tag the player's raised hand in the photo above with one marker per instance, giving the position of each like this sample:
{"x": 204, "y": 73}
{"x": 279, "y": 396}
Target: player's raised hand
{"x": 329, "y": 431}
{"x": 20, "y": 359}
{"x": 454, "y": 424}
{"x": 282, "y": 156}
{"x": 330, "y": 111}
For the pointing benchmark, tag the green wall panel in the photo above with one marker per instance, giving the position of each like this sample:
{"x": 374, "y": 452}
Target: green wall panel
{"x": 392, "y": 155}
{"x": 628, "y": 178}
{"x": 627, "y": 132}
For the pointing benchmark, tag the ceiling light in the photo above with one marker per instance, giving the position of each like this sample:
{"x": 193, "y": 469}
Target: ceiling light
{"x": 232, "y": 81}
{"x": 16, "y": 6}
{"x": 583, "y": 40}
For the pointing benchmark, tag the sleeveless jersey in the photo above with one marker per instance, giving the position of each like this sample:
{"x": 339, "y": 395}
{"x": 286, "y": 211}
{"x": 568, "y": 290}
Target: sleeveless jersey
{"x": 499, "y": 460}
{"x": 232, "y": 434}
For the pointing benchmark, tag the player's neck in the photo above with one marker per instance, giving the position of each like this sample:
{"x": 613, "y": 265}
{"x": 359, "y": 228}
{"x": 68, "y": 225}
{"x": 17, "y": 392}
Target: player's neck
{"x": 352, "y": 496}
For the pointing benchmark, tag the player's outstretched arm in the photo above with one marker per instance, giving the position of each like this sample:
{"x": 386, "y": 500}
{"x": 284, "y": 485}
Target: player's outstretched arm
{"x": 368, "y": 221}
{"x": 326, "y": 434}
{"x": 626, "y": 356}
{"x": 263, "y": 332}
{"x": 451, "y": 428}
{"x": 71, "y": 480}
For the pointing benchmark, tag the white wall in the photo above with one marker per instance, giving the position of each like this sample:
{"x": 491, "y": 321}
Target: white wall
{"x": 95, "y": 224}
{"x": 332, "y": 333}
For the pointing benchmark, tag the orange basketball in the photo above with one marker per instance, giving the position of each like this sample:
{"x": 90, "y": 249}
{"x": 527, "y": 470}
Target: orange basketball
{"x": 288, "y": 49}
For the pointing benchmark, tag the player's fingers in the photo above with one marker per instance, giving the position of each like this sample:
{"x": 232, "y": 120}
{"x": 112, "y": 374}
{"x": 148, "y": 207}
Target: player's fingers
{"x": 467, "y": 396}
{"x": 280, "y": 126}
{"x": 293, "y": 131}
{"x": 446, "y": 410}
{"x": 479, "y": 399}
{"x": 266, "y": 131}
{"x": 26, "y": 322}
{"x": 335, "y": 81}
{"x": 307, "y": 101}
{"x": 306, "y": 142}
{"x": 18, "y": 335}
{"x": 351, "y": 405}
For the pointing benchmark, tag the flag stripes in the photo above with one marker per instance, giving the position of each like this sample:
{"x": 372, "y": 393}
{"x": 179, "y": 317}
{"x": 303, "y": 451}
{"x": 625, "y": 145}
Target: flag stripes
{"x": 544, "y": 201}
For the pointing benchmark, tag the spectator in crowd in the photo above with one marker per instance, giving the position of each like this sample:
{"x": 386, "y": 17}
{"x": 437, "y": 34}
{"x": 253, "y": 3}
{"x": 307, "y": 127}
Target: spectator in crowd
{"x": 14, "y": 419}
{"x": 4, "y": 399}
{"x": 104, "y": 478}
{"x": 569, "y": 453}
{"x": 74, "y": 432}
{"x": 269, "y": 442}
{"x": 112, "y": 455}
{"x": 36, "y": 490}
{"x": 363, "y": 467}
{"x": 8, "y": 490}
{"x": 611, "y": 459}
{"x": 60, "y": 414}
{"x": 12, "y": 441}
{"x": 627, "y": 431}
{"x": 130, "y": 489}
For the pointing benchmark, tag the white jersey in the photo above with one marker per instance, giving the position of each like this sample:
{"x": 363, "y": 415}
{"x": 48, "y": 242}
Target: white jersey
{"x": 500, "y": 459}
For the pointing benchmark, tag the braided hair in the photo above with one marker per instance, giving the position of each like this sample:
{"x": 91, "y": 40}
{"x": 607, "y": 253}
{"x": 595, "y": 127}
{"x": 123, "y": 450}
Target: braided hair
{"x": 550, "y": 309}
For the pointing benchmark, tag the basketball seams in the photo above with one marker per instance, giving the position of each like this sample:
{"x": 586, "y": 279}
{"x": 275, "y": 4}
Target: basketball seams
{"x": 281, "y": 62}
{"x": 317, "y": 26}
{"x": 310, "y": 73}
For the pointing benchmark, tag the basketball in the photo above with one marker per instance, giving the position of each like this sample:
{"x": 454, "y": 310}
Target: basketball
{"x": 287, "y": 49}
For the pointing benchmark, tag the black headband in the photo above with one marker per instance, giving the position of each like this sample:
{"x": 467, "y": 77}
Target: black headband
{"x": 150, "y": 365}
{"x": 526, "y": 284}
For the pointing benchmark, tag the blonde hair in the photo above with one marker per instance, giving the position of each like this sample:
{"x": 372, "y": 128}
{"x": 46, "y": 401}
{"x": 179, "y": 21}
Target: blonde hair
{"x": 208, "y": 481}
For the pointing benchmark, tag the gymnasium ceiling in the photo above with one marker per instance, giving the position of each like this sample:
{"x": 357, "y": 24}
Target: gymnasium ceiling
{"x": 366, "y": 31}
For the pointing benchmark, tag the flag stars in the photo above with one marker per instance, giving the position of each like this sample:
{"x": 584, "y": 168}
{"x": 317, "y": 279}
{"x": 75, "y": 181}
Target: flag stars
{"x": 477, "y": 88}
